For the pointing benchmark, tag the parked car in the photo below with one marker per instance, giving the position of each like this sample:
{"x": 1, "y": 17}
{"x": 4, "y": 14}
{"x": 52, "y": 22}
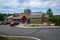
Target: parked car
{"x": 4, "y": 22}
{"x": 0, "y": 22}
{"x": 8, "y": 22}
{"x": 13, "y": 23}
{"x": 56, "y": 24}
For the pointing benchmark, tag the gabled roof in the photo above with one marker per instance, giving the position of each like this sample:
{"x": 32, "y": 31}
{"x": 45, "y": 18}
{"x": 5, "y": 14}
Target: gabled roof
{"x": 10, "y": 16}
{"x": 36, "y": 13}
{"x": 18, "y": 13}
{"x": 33, "y": 15}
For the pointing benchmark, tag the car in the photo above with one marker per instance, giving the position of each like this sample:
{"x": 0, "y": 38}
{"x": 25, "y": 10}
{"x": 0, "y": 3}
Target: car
{"x": 0, "y": 22}
{"x": 13, "y": 23}
{"x": 8, "y": 22}
{"x": 57, "y": 24}
{"x": 4, "y": 22}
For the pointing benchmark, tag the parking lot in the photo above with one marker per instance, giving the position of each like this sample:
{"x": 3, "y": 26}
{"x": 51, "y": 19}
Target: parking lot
{"x": 41, "y": 33}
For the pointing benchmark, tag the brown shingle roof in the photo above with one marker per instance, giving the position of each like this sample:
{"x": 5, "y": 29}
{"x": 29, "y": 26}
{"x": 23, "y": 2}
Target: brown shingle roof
{"x": 36, "y": 15}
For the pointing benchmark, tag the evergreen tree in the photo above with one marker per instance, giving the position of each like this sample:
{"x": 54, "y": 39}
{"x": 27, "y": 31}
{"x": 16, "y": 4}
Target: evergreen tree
{"x": 49, "y": 12}
{"x": 1, "y": 17}
{"x": 51, "y": 17}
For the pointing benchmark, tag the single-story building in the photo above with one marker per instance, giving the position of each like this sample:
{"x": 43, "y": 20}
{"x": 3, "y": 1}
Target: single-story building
{"x": 29, "y": 17}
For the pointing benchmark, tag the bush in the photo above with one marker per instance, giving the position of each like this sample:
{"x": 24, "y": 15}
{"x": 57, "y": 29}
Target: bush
{"x": 34, "y": 25}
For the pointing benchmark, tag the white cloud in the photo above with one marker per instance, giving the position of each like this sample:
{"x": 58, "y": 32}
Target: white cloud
{"x": 41, "y": 3}
{"x": 29, "y": 3}
{"x": 9, "y": 3}
{"x": 32, "y": 3}
{"x": 17, "y": 5}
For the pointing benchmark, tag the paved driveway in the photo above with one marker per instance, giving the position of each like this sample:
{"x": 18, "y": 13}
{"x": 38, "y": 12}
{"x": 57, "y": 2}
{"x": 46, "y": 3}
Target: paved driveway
{"x": 42, "y": 33}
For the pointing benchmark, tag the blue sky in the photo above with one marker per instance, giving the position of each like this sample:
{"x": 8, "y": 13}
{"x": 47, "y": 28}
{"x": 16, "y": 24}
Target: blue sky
{"x": 18, "y": 6}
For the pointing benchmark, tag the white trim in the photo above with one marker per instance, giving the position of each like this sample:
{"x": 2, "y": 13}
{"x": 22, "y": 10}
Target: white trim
{"x": 22, "y": 37}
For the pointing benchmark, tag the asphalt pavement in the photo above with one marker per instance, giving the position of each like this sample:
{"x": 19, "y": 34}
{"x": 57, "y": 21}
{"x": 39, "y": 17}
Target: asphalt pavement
{"x": 41, "y": 33}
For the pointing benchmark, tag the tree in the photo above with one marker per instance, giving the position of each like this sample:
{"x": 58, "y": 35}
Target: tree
{"x": 6, "y": 15}
{"x": 1, "y": 17}
{"x": 51, "y": 17}
{"x": 57, "y": 20}
{"x": 49, "y": 12}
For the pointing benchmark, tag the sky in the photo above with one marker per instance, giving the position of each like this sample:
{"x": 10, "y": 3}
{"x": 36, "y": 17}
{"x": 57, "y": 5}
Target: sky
{"x": 18, "y": 6}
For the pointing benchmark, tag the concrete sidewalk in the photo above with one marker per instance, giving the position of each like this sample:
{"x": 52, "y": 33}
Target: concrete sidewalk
{"x": 41, "y": 26}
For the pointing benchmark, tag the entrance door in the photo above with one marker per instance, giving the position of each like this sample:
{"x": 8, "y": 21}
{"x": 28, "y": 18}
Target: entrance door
{"x": 24, "y": 19}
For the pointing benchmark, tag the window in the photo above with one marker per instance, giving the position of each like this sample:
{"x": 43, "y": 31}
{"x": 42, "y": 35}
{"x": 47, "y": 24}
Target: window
{"x": 13, "y": 15}
{"x": 17, "y": 15}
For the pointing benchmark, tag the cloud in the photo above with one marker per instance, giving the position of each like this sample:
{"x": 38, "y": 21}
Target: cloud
{"x": 41, "y": 3}
{"x": 29, "y": 3}
{"x": 32, "y": 3}
{"x": 18, "y": 5}
{"x": 9, "y": 3}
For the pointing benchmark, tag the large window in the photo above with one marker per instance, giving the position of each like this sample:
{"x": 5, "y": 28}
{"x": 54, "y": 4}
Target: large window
{"x": 15, "y": 15}
{"x": 33, "y": 21}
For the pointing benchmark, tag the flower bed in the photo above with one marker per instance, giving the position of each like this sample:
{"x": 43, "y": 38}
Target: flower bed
{"x": 18, "y": 38}
{"x": 34, "y": 25}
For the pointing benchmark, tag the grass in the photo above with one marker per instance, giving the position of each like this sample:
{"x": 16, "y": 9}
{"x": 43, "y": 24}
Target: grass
{"x": 34, "y": 25}
{"x": 14, "y": 38}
